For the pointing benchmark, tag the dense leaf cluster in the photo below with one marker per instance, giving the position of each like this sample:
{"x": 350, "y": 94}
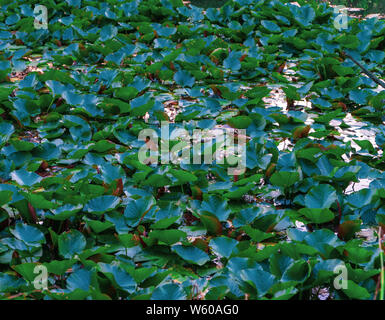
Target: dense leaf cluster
{"x": 75, "y": 198}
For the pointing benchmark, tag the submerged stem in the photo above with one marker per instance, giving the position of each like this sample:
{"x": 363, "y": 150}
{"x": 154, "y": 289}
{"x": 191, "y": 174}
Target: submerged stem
{"x": 382, "y": 265}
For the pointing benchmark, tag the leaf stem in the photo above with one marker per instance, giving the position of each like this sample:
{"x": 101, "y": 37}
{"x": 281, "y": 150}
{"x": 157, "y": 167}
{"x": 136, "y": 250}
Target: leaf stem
{"x": 382, "y": 265}
{"x": 366, "y": 71}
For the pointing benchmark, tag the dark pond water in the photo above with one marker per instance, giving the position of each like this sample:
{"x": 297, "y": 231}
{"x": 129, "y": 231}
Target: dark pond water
{"x": 368, "y": 6}
{"x": 208, "y": 3}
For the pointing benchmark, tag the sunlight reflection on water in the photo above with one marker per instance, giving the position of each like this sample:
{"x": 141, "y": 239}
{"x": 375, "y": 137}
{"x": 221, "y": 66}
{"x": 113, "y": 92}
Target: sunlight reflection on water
{"x": 357, "y": 130}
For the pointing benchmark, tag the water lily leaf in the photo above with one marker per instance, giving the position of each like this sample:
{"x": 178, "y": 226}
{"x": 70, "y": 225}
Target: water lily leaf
{"x": 30, "y": 235}
{"x": 361, "y": 198}
{"x": 101, "y": 204}
{"x": 259, "y": 279}
{"x": 343, "y": 71}
{"x": 120, "y": 277}
{"x": 191, "y": 254}
{"x": 321, "y": 196}
{"x": 5, "y": 197}
{"x": 297, "y": 271}
{"x": 141, "y": 105}
{"x": 26, "y": 270}
{"x": 304, "y": 15}
{"x": 107, "y": 32}
{"x": 257, "y": 235}
{"x": 284, "y": 179}
{"x": 347, "y": 229}
{"x": 233, "y": 61}
{"x": 126, "y": 93}
{"x": 348, "y": 41}
{"x": 25, "y": 178}
{"x": 183, "y": 176}
{"x": 80, "y": 279}
{"x": 10, "y": 283}
{"x": 212, "y": 223}
{"x": 246, "y": 216}
{"x": 102, "y": 146}
{"x": 271, "y": 26}
{"x": 354, "y": 291}
{"x": 59, "y": 267}
{"x": 99, "y": 226}
{"x": 317, "y": 215}
{"x": 323, "y": 240}
{"x": 168, "y": 291}
{"x": 39, "y": 202}
{"x": 223, "y": 246}
{"x": 184, "y": 78}
{"x": 6, "y": 130}
{"x": 64, "y": 212}
{"x": 157, "y": 180}
{"x": 240, "y": 122}
{"x": 168, "y": 236}
{"x": 136, "y": 210}
{"x": 71, "y": 243}
{"x": 214, "y": 205}
{"x": 22, "y": 145}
